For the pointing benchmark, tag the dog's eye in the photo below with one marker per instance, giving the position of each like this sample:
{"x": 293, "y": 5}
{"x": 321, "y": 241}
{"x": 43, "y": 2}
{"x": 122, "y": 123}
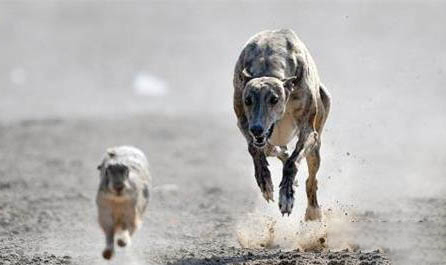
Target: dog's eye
{"x": 273, "y": 100}
{"x": 248, "y": 101}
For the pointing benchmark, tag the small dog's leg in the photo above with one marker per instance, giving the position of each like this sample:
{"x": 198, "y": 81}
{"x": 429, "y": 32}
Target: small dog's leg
{"x": 109, "y": 241}
{"x": 124, "y": 239}
{"x": 306, "y": 143}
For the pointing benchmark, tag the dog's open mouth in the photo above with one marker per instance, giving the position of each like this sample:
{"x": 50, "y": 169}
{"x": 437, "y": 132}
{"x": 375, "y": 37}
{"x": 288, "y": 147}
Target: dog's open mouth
{"x": 260, "y": 141}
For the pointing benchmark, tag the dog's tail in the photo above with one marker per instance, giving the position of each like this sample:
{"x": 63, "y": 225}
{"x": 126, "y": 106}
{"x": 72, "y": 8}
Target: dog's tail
{"x": 325, "y": 97}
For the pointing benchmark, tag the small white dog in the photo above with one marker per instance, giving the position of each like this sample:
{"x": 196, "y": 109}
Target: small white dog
{"x": 123, "y": 194}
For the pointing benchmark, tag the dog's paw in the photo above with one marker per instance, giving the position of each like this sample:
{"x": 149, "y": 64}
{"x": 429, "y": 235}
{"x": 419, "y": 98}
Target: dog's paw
{"x": 313, "y": 214}
{"x": 286, "y": 200}
{"x": 107, "y": 253}
{"x": 121, "y": 242}
{"x": 265, "y": 184}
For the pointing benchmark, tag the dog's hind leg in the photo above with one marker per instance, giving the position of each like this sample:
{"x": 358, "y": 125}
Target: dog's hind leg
{"x": 123, "y": 235}
{"x": 313, "y": 211}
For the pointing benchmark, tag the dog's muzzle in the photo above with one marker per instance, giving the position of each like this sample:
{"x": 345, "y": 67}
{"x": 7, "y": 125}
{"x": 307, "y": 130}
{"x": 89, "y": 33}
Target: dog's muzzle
{"x": 260, "y": 141}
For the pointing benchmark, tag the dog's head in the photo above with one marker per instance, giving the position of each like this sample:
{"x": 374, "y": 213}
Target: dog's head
{"x": 264, "y": 101}
{"x": 116, "y": 177}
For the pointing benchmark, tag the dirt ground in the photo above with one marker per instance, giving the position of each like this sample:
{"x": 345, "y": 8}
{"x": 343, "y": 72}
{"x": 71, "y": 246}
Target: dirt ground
{"x": 205, "y": 209}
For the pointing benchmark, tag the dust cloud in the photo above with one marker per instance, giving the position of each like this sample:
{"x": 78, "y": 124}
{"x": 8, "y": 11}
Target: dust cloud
{"x": 265, "y": 227}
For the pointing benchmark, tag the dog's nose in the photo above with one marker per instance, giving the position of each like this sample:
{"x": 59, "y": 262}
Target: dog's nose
{"x": 118, "y": 187}
{"x": 256, "y": 130}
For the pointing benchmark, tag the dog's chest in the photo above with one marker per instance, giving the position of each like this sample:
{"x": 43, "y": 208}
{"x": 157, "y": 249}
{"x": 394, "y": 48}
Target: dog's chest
{"x": 284, "y": 131}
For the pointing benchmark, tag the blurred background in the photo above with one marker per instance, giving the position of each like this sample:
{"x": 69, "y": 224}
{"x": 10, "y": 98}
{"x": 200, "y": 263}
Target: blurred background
{"x": 78, "y": 76}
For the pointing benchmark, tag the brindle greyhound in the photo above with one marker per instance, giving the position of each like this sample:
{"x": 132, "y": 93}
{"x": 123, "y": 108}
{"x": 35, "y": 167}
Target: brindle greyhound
{"x": 277, "y": 97}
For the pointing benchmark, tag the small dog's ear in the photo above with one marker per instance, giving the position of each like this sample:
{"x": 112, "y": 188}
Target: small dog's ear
{"x": 290, "y": 83}
{"x": 245, "y": 75}
{"x": 111, "y": 152}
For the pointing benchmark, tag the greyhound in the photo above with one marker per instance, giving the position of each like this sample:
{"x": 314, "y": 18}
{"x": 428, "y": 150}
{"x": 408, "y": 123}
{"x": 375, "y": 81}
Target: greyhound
{"x": 123, "y": 194}
{"x": 279, "y": 97}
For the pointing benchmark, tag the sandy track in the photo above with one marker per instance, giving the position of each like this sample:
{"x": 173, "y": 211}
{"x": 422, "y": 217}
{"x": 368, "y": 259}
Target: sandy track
{"x": 48, "y": 182}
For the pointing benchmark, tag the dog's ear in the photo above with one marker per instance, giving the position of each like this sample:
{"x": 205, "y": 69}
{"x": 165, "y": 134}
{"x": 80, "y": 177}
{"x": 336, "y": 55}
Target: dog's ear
{"x": 246, "y": 75}
{"x": 290, "y": 83}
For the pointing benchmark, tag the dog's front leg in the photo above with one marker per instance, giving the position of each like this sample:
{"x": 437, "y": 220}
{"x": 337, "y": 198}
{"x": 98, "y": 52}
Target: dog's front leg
{"x": 307, "y": 141}
{"x": 262, "y": 173}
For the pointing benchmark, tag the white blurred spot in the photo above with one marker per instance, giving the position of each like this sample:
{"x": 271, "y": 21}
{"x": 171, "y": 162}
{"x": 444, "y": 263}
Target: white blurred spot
{"x": 167, "y": 188}
{"x": 149, "y": 85}
{"x": 18, "y": 76}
